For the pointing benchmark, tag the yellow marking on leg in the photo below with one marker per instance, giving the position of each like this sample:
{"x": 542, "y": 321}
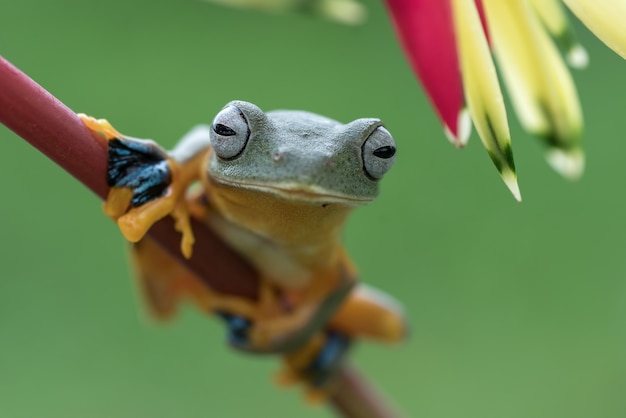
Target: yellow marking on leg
{"x": 136, "y": 222}
{"x": 183, "y": 225}
{"x": 117, "y": 202}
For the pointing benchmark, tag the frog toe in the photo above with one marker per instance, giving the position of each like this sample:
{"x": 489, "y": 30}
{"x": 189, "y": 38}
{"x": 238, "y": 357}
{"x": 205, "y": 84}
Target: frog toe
{"x": 101, "y": 126}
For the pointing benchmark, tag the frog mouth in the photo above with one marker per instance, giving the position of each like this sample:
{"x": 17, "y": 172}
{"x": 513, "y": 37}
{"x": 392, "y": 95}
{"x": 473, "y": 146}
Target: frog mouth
{"x": 297, "y": 192}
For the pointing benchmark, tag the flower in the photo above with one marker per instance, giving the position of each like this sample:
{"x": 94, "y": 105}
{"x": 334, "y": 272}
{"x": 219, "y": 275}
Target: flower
{"x": 349, "y": 12}
{"x": 451, "y": 44}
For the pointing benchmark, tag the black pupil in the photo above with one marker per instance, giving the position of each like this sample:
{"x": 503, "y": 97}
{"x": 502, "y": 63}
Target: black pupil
{"x": 223, "y": 130}
{"x": 387, "y": 151}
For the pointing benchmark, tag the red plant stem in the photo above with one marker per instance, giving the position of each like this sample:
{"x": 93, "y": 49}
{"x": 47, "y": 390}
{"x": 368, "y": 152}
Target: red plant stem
{"x": 355, "y": 397}
{"x": 34, "y": 114}
{"x": 38, "y": 117}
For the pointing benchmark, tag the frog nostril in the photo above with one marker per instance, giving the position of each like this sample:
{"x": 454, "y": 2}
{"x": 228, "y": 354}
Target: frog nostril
{"x": 277, "y": 156}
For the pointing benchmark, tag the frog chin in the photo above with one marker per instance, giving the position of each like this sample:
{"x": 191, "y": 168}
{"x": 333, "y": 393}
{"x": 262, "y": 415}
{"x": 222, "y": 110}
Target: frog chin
{"x": 299, "y": 192}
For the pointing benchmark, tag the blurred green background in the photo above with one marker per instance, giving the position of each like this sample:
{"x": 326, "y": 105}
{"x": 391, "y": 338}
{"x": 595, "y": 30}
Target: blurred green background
{"x": 517, "y": 310}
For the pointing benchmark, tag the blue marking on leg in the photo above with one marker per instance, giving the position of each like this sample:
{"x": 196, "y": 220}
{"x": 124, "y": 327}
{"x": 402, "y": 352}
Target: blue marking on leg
{"x": 325, "y": 365}
{"x": 238, "y": 329}
{"x": 151, "y": 183}
{"x": 139, "y": 165}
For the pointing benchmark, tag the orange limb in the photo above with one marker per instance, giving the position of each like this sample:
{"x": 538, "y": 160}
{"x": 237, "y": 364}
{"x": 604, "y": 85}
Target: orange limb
{"x": 117, "y": 202}
{"x": 369, "y": 313}
{"x": 135, "y": 222}
{"x": 164, "y": 283}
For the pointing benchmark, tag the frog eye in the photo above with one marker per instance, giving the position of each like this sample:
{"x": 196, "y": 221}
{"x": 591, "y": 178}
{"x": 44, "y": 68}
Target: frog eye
{"x": 229, "y": 133}
{"x": 378, "y": 152}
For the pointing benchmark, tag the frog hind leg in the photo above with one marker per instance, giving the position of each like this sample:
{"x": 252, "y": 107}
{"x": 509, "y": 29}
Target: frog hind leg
{"x": 158, "y": 279}
{"x": 366, "y": 313}
{"x": 315, "y": 364}
{"x": 372, "y": 314}
{"x": 164, "y": 283}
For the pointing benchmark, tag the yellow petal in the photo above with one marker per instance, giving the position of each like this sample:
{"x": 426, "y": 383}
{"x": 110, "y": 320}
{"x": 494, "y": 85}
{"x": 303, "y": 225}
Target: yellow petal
{"x": 265, "y": 5}
{"x": 482, "y": 90}
{"x": 541, "y": 87}
{"x": 554, "y": 18}
{"x": 605, "y": 18}
{"x": 349, "y": 12}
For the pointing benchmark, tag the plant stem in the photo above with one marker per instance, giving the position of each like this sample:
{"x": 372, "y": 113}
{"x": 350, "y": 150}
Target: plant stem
{"x": 47, "y": 124}
{"x": 38, "y": 117}
{"x": 356, "y": 397}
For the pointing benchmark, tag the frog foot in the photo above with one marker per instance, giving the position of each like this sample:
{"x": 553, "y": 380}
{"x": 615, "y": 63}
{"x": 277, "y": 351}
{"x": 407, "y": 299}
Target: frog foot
{"x": 143, "y": 186}
{"x": 144, "y": 190}
{"x": 141, "y": 168}
{"x": 315, "y": 364}
{"x": 327, "y": 361}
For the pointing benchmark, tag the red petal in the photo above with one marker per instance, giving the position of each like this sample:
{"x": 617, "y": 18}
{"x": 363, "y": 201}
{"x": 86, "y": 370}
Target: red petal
{"x": 483, "y": 18}
{"x": 426, "y": 31}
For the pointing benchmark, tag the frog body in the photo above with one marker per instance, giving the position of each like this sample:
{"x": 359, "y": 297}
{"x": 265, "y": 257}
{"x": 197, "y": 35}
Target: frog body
{"x": 278, "y": 188}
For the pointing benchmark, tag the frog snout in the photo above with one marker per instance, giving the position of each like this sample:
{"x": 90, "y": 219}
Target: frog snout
{"x": 303, "y": 162}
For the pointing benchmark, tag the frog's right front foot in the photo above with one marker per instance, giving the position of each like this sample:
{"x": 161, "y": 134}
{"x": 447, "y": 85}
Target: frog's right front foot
{"x": 143, "y": 187}
{"x": 137, "y": 173}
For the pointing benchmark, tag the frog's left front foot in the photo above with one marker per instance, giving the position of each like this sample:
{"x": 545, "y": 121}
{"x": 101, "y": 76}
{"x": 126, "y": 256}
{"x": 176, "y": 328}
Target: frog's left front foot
{"x": 143, "y": 187}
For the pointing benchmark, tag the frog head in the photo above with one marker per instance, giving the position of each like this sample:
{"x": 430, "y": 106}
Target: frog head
{"x": 297, "y": 155}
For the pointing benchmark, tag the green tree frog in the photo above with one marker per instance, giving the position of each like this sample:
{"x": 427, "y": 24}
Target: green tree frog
{"x": 277, "y": 187}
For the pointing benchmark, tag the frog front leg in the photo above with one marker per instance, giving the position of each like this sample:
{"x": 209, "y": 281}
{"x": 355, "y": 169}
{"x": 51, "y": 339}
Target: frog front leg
{"x": 281, "y": 329}
{"x": 146, "y": 183}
